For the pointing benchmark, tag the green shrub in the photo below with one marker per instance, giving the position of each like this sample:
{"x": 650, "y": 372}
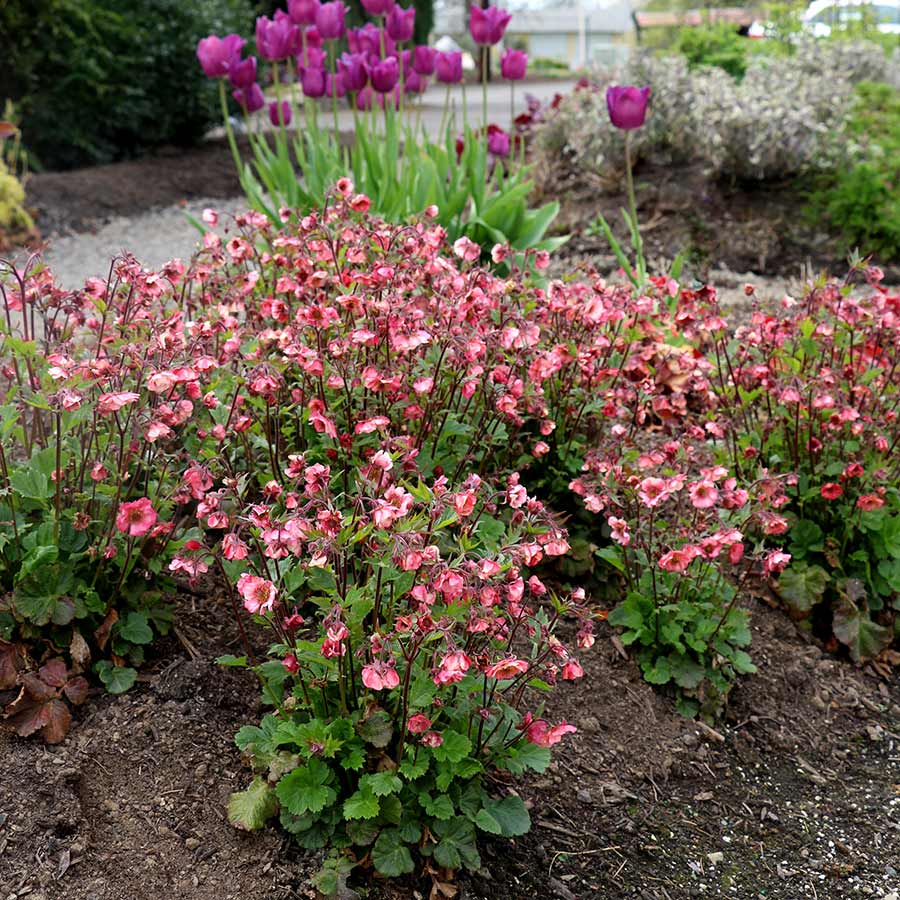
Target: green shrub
{"x": 714, "y": 45}
{"x": 862, "y": 200}
{"x": 99, "y": 80}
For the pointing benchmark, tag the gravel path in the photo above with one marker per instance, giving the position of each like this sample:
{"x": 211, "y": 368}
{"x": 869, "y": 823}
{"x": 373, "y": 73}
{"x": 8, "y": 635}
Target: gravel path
{"x": 154, "y": 237}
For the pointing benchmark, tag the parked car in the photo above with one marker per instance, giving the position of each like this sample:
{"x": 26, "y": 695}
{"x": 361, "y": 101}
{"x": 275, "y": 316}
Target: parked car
{"x": 823, "y": 15}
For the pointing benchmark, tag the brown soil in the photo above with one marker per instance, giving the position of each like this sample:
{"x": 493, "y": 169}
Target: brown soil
{"x": 801, "y": 797}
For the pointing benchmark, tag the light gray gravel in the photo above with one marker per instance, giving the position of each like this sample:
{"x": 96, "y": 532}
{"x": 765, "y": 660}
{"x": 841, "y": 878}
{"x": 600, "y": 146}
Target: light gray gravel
{"x": 153, "y": 237}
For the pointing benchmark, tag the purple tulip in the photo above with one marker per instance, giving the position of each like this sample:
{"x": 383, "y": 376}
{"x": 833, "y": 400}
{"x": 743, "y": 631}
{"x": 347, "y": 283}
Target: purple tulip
{"x": 488, "y": 25}
{"x": 400, "y": 24}
{"x": 627, "y": 106}
{"x": 314, "y": 59}
{"x": 303, "y": 12}
{"x": 368, "y": 40}
{"x": 448, "y": 67}
{"x": 242, "y": 72}
{"x": 385, "y": 74}
{"x": 330, "y": 20}
{"x": 280, "y": 117}
{"x": 334, "y": 85}
{"x": 415, "y": 83}
{"x": 423, "y": 60}
{"x": 250, "y": 98}
{"x": 378, "y": 7}
{"x": 355, "y": 71}
{"x": 277, "y": 39}
{"x": 365, "y": 99}
{"x": 498, "y": 141}
{"x": 513, "y": 64}
{"x": 217, "y": 54}
{"x": 313, "y": 38}
{"x": 313, "y": 82}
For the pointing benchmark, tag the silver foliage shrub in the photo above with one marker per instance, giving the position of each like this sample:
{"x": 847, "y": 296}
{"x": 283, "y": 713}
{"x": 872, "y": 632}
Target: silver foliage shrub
{"x": 786, "y": 116}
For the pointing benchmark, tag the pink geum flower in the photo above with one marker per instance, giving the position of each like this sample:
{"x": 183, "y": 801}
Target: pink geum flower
{"x": 652, "y": 491}
{"x": 258, "y": 593}
{"x": 380, "y": 676}
{"x": 831, "y": 491}
{"x": 544, "y": 734}
{"x": 619, "y": 531}
{"x": 704, "y": 494}
{"x": 418, "y": 724}
{"x": 110, "y": 403}
{"x": 507, "y": 668}
{"x": 868, "y": 502}
{"x": 453, "y": 668}
{"x": 679, "y": 560}
{"x": 136, "y": 517}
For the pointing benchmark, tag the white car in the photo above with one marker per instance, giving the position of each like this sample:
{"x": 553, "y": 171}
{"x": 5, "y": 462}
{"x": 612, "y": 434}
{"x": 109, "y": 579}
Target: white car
{"x": 823, "y": 15}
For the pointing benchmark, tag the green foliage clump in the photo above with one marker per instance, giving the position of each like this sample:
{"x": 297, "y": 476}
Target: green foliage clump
{"x": 714, "y": 45}
{"x": 862, "y": 200}
{"x": 99, "y": 80}
{"x": 13, "y": 214}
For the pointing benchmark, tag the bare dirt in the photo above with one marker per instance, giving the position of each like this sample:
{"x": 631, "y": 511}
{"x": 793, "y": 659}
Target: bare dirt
{"x": 795, "y": 795}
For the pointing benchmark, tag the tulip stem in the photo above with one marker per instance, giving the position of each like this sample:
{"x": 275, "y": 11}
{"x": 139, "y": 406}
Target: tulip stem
{"x": 331, "y": 55}
{"x": 231, "y": 142}
{"x": 484, "y": 90}
{"x": 632, "y": 204}
{"x": 512, "y": 107}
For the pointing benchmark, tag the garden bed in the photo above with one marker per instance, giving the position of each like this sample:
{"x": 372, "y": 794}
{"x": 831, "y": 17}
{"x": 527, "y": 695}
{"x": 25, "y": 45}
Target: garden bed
{"x": 800, "y": 798}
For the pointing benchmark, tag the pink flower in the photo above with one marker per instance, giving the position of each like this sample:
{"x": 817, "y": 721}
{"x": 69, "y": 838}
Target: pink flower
{"x": 869, "y": 502}
{"x": 453, "y": 668}
{"x": 432, "y": 739}
{"x": 831, "y": 491}
{"x": 540, "y": 732}
{"x": 679, "y": 560}
{"x": 507, "y": 668}
{"x": 380, "y": 676}
{"x": 652, "y": 491}
{"x": 464, "y": 503}
{"x": 136, "y": 517}
{"x": 233, "y": 547}
{"x": 110, "y": 403}
{"x": 619, "y": 531}
{"x": 418, "y": 724}
{"x": 541, "y": 448}
{"x": 258, "y": 593}
{"x": 775, "y": 562}
{"x": 572, "y": 670}
{"x": 704, "y": 494}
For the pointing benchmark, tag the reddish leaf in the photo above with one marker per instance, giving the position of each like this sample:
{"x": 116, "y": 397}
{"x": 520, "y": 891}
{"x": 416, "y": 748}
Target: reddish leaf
{"x": 27, "y": 717}
{"x": 10, "y": 663}
{"x": 59, "y": 719}
{"x": 102, "y": 633}
{"x": 37, "y": 689}
{"x": 54, "y": 673}
{"x": 76, "y": 690}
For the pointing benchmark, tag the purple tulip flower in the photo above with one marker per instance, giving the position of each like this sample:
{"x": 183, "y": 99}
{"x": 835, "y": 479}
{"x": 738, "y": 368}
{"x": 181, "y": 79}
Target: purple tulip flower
{"x": 448, "y": 67}
{"x": 487, "y": 26}
{"x": 424, "y": 60}
{"x": 334, "y": 85}
{"x": 330, "y": 20}
{"x": 497, "y": 141}
{"x": 385, "y": 74}
{"x": 277, "y": 39}
{"x": 378, "y": 7}
{"x": 303, "y": 12}
{"x": 355, "y": 71}
{"x": 250, "y": 98}
{"x": 217, "y": 54}
{"x": 415, "y": 83}
{"x": 280, "y": 118}
{"x": 513, "y": 64}
{"x": 400, "y": 24}
{"x": 368, "y": 40}
{"x": 627, "y": 106}
{"x": 313, "y": 82}
{"x": 242, "y": 72}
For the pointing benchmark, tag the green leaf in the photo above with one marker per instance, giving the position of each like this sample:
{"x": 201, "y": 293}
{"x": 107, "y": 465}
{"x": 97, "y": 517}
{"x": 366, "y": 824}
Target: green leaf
{"x": 853, "y": 627}
{"x": 657, "y": 672}
{"x": 628, "y": 614}
{"x": 802, "y": 586}
{"x": 457, "y": 843}
{"x": 454, "y": 747}
{"x": 686, "y": 672}
{"x": 306, "y": 789}
{"x": 229, "y": 660}
{"x": 412, "y": 770}
{"x": 526, "y": 756}
{"x": 362, "y": 832}
{"x": 136, "y": 629}
{"x": 806, "y": 537}
{"x": 363, "y": 804}
{"x": 441, "y": 807}
{"x": 376, "y": 729}
{"x": 116, "y": 679}
{"x": 509, "y": 813}
{"x": 382, "y": 783}
{"x": 390, "y": 855}
{"x": 250, "y": 809}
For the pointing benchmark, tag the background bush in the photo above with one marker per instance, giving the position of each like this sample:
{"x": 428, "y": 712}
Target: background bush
{"x": 99, "y": 80}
